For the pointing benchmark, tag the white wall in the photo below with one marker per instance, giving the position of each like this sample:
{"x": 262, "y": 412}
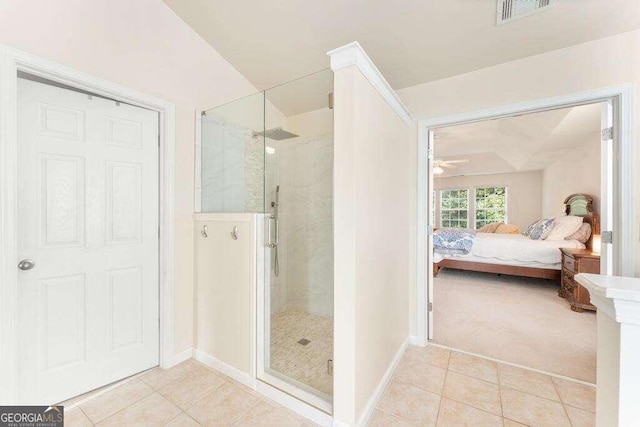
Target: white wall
{"x": 606, "y": 62}
{"x": 371, "y": 198}
{"x": 578, "y": 171}
{"x": 524, "y": 194}
{"x": 143, "y": 45}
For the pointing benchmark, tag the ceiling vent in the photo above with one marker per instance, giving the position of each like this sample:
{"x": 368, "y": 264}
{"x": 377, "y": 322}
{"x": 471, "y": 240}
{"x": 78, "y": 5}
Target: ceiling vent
{"x": 510, "y": 10}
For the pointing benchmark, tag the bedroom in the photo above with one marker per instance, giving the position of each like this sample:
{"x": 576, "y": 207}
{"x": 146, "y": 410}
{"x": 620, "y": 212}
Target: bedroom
{"x": 497, "y": 178}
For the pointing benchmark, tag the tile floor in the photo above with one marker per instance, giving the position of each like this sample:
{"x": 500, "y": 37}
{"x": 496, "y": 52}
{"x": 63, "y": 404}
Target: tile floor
{"x": 432, "y": 386}
{"x": 189, "y": 394}
{"x": 304, "y": 363}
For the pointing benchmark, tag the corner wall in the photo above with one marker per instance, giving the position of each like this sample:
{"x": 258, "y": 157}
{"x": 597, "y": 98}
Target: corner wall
{"x": 372, "y": 185}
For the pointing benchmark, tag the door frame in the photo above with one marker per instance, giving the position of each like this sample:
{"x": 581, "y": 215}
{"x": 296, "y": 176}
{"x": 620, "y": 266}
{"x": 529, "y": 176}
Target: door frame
{"x": 12, "y": 61}
{"x": 622, "y": 196}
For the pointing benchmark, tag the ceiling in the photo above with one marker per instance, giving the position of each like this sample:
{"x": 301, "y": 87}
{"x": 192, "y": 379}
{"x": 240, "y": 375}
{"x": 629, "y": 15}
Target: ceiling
{"x": 516, "y": 144}
{"x": 411, "y": 41}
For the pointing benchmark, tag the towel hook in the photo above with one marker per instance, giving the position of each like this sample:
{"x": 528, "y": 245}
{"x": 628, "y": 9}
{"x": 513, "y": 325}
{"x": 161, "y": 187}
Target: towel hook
{"x": 234, "y": 233}
{"x": 204, "y": 232}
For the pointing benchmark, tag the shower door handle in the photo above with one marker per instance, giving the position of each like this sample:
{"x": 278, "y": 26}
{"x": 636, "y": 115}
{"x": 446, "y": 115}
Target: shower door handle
{"x": 271, "y": 219}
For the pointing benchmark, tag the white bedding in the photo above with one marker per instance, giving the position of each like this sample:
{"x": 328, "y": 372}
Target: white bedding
{"x": 515, "y": 248}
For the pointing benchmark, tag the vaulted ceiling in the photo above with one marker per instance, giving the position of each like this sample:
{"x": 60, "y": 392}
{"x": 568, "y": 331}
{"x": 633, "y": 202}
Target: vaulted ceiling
{"x": 411, "y": 41}
{"x": 516, "y": 144}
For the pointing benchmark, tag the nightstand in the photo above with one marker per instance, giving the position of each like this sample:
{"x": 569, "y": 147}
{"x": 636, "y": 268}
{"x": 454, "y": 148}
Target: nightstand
{"x": 576, "y": 261}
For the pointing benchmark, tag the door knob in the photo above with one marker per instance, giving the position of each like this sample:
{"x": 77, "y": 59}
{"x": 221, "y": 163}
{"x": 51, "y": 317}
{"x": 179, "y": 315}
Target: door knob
{"x": 26, "y": 264}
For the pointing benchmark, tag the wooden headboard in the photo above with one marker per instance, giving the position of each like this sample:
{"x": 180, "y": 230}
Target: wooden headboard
{"x": 581, "y": 204}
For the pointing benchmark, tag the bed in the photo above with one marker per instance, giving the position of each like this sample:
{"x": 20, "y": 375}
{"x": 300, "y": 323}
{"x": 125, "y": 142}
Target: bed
{"x": 518, "y": 255}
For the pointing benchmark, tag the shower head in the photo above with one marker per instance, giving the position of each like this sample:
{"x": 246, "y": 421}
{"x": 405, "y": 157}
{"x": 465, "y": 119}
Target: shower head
{"x": 277, "y": 134}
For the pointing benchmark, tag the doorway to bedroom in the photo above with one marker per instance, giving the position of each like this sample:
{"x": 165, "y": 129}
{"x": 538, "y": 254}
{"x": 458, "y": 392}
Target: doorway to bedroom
{"x": 517, "y": 207}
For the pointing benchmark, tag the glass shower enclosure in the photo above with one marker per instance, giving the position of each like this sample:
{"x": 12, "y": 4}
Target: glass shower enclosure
{"x": 272, "y": 153}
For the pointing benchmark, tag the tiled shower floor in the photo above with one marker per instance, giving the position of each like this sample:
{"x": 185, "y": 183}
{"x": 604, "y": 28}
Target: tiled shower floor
{"x": 304, "y": 363}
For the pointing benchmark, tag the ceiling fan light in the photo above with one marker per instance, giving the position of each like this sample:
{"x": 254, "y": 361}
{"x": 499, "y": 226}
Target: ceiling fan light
{"x": 438, "y": 170}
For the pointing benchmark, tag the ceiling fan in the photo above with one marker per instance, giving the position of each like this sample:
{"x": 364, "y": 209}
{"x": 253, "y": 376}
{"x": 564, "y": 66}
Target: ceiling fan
{"x": 439, "y": 164}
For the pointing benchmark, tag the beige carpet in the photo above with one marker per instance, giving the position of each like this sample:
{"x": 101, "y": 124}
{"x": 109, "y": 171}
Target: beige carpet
{"x": 518, "y": 320}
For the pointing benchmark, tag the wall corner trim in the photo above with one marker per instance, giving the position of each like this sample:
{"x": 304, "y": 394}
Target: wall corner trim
{"x": 382, "y": 385}
{"x": 353, "y": 54}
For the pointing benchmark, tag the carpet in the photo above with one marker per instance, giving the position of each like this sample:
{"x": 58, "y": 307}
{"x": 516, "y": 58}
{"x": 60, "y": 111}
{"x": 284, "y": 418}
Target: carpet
{"x": 514, "y": 319}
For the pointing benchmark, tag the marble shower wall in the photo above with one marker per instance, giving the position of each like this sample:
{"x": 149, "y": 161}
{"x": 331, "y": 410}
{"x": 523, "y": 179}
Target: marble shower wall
{"x": 232, "y": 166}
{"x": 305, "y": 175}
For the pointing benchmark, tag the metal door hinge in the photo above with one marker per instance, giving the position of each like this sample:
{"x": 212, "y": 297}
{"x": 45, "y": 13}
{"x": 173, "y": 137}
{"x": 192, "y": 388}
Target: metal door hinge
{"x": 430, "y": 307}
{"x": 158, "y": 232}
{"x": 430, "y": 230}
{"x": 331, "y": 100}
{"x": 606, "y": 237}
{"x": 607, "y": 134}
{"x": 330, "y": 367}
{"x": 430, "y": 154}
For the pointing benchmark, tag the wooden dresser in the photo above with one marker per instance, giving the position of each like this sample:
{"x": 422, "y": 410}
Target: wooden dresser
{"x": 576, "y": 261}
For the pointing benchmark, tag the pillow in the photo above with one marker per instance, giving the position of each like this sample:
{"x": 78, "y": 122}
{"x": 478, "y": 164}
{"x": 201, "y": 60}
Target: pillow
{"x": 582, "y": 235}
{"x": 490, "y": 228}
{"x": 539, "y": 230}
{"x": 564, "y": 226}
{"x": 507, "y": 229}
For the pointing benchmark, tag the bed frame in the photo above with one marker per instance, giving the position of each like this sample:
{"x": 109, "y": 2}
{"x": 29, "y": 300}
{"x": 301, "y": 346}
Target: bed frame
{"x": 578, "y": 204}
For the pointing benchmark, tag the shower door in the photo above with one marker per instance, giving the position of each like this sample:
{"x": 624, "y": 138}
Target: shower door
{"x": 297, "y": 306}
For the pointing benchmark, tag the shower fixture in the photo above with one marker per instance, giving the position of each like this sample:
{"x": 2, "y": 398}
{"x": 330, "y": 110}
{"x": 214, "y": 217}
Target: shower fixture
{"x": 277, "y": 134}
{"x": 273, "y": 218}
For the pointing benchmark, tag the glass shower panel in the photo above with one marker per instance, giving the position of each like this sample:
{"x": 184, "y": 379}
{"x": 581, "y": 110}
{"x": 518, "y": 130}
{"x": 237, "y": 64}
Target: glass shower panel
{"x": 231, "y": 172}
{"x": 299, "y": 255}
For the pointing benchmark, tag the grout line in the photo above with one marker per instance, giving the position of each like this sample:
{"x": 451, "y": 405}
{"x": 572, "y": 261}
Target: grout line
{"x": 555, "y": 387}
{"x": 109, "y": 388}
{"x": 551, "y": 374}
{"x": 500, "y": 393}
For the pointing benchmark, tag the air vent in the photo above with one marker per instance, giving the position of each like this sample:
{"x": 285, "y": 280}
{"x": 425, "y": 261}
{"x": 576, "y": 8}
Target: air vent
{"x": 510, "y": 10}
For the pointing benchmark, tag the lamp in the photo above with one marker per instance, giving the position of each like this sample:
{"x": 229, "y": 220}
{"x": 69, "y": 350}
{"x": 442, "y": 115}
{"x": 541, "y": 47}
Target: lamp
{"x": 596, "y": 245}
{"x": 438, "y": 170}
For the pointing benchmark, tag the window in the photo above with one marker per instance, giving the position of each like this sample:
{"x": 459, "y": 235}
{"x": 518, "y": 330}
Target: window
{"x": 454, "y": 208}
{"x": 490, "y": 206}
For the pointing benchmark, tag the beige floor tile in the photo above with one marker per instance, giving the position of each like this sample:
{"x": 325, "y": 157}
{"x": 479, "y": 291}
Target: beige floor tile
{"x": 454, "y": 414}
{"x": 382, "y": 419}
{"x": 224, "y": 405}
{"x": 473, "y": 391}
{"x": 414, "y": 404}
{"x": 76, "y": 418}
{"x": 532, "y": 410}
{"x": 527, "y": 381}
{"x": 269, "y": 414}
{"x": 576, "y": 394}
{"x": 182, "y": 420}
{"x": 431, "y": 354}
{"x": 107, "y": 404}
{"x": 414, "y": 371}
{"x": 511, "y": 423}
{"x": 474, "y": 366}
{"x": 159, "y": 377}
{"x": 580, "y": 417}
{"x": 153, "y": 410}
{"x": 191, "y": 388}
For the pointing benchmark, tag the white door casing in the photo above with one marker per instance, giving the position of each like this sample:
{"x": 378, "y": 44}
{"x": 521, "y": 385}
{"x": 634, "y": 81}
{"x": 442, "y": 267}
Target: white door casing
{"x": 620, "y": 168}
{"x": 88, "y": 217}
{"x": 606, "y": 185}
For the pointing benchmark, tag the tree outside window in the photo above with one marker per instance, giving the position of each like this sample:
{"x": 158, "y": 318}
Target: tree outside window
{"x": 454, "y": 208}
{"x": 490, "y": 205}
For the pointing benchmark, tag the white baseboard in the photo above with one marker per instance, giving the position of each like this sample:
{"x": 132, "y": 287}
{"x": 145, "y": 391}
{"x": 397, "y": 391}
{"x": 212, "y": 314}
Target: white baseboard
{"x": 228, "y": 370}
{"x": 414, "y": 340}
{"x": 182, "y": 356}
{"x": 382, "y": 385}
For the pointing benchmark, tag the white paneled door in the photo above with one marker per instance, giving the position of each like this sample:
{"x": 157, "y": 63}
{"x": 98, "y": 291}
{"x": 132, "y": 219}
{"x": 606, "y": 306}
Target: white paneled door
{"x": 87, "y": 242}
